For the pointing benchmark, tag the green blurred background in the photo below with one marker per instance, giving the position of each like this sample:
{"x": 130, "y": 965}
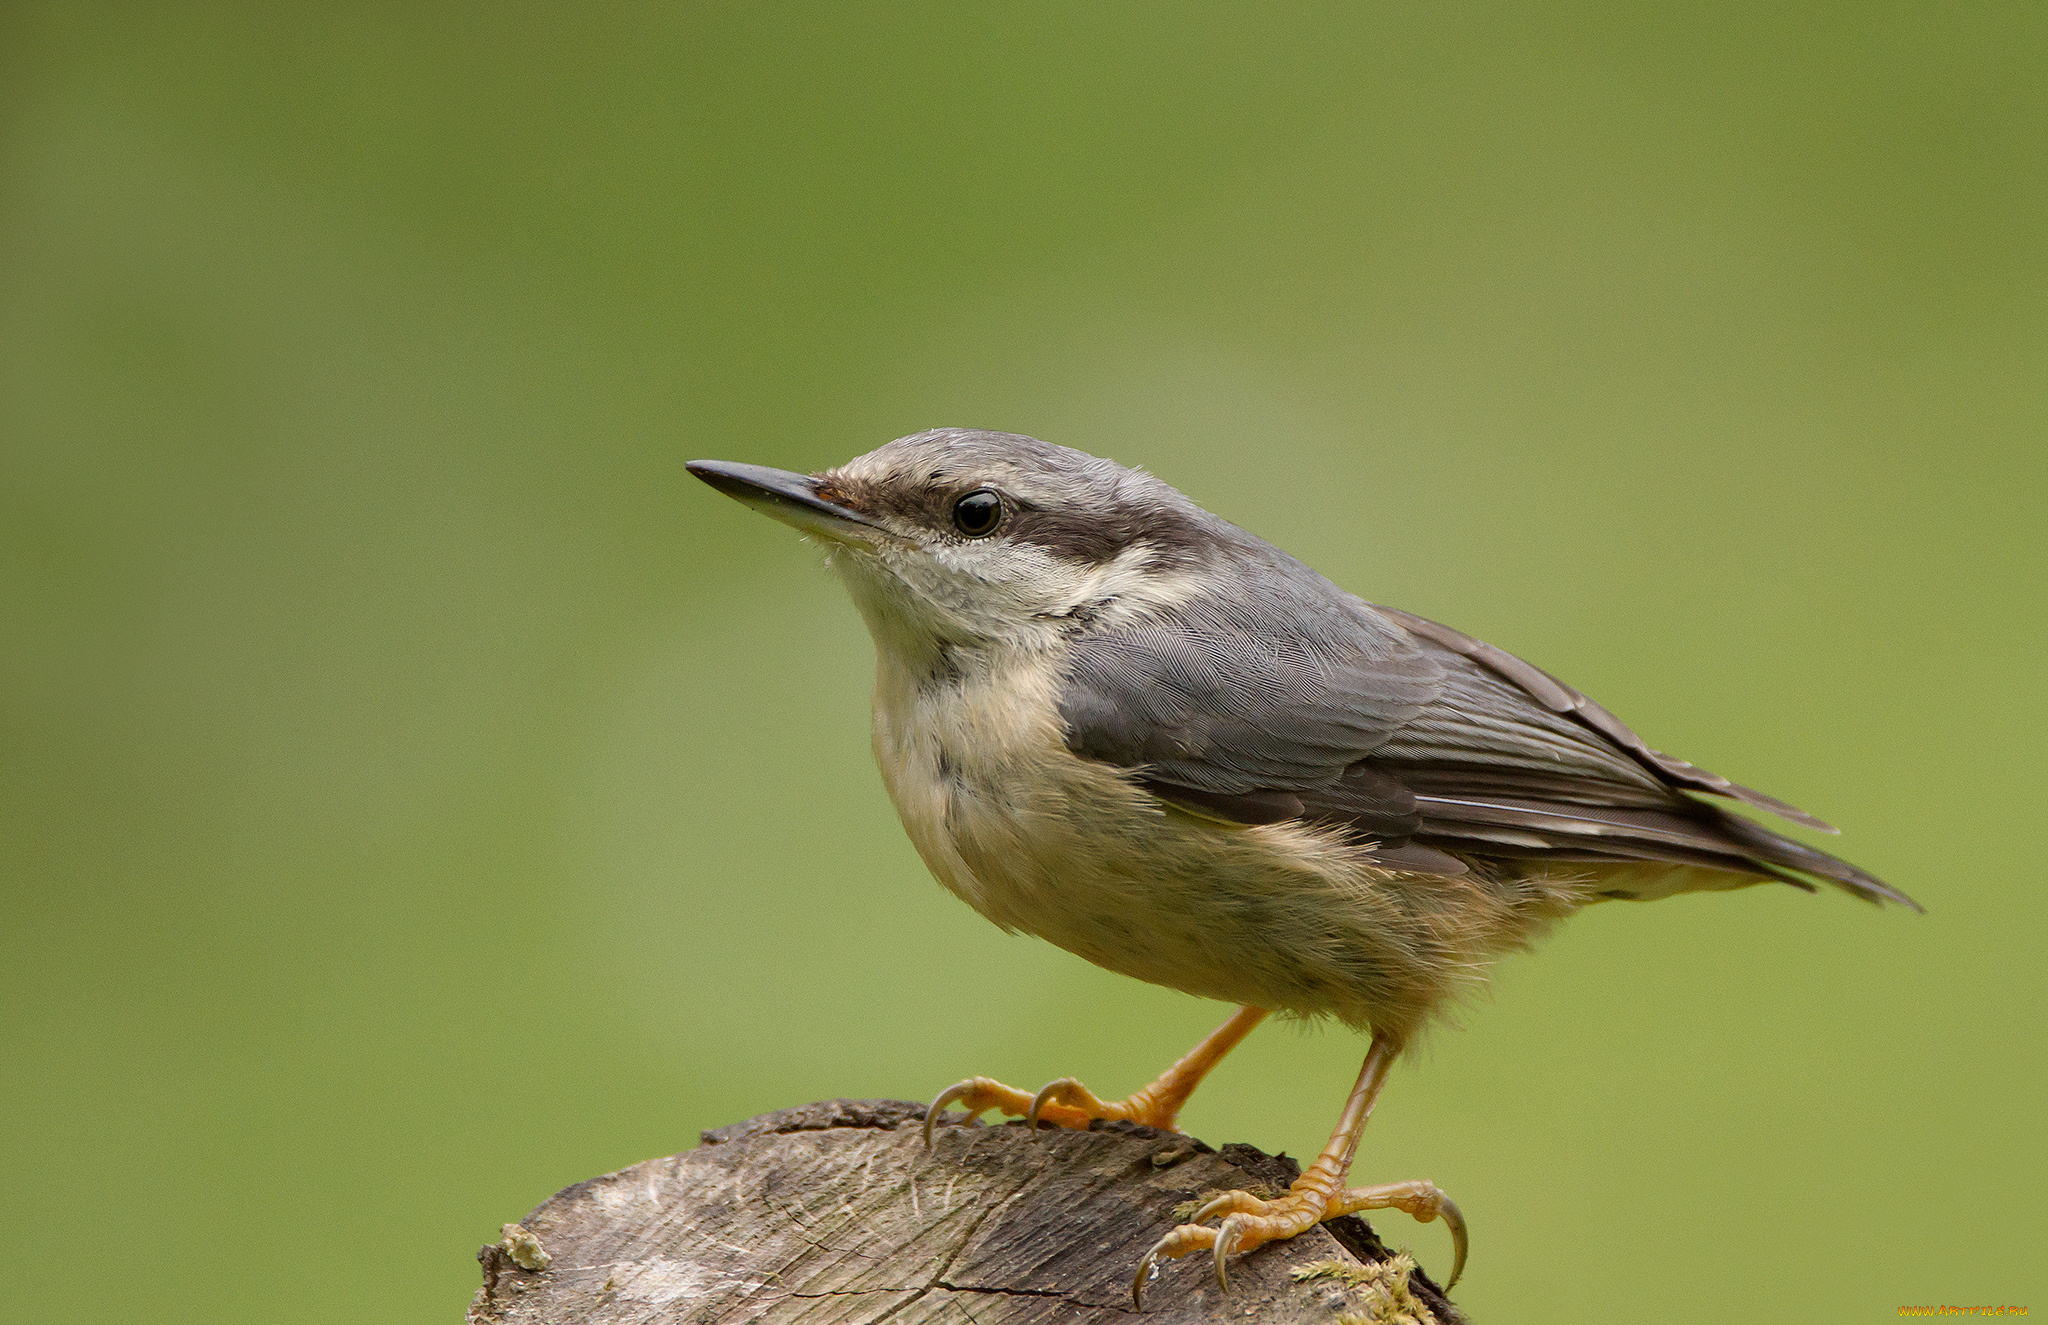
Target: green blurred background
{"x": 418, "y": 794}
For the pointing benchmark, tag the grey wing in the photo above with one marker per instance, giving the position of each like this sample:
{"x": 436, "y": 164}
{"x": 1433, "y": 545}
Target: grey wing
{"x": 1221, "y": 715}
{"x": 1424, "y": 740}
{"x": 1560, "y": 698}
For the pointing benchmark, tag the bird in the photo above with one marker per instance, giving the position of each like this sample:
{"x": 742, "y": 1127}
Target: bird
{"x": 1111, "y": 719}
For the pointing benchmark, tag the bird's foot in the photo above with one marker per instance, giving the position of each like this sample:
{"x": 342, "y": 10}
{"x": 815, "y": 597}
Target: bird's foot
{"x": 1063, "y": 1103}
{"x": 1249, "y": 1222}
{"x": 1068, "y": 1103}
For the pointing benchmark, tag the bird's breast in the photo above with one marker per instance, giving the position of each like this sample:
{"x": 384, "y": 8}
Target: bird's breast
{"x": 977, "y": 766}
{"x": 1074, "y": 851}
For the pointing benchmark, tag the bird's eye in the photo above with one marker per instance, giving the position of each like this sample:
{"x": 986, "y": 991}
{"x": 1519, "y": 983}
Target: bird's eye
{"x": 978, "y": 513}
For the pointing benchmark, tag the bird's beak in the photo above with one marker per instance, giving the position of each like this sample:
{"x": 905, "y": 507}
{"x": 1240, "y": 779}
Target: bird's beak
{"x": 790, "y": 498}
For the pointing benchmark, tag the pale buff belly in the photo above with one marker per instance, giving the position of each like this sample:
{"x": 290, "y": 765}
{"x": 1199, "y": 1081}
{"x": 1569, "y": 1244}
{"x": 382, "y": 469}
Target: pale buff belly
{"x": 1279, "y": 916}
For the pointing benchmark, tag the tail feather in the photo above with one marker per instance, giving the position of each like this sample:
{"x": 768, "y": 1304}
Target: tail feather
{"x": 1686, "y": 832}
{"x": 1768, "y": 847}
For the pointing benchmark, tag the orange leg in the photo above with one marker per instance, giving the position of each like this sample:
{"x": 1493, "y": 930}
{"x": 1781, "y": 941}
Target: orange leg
{"x": 1068, "y": 1103}
{"x": 1318, "y": 1194}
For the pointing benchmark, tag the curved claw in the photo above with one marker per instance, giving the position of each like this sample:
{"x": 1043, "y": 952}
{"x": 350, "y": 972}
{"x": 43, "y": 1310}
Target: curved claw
{"x": 1226, "y": 1242}
{"x": 1148, "y": 1265}
{"x": 1227, "y": 1203}
{"x": 959, "y": 1090}
{"x": 1038, "y": 1103}
{"x": 1455, "y": 1221}
{"x": 1042, "y": 1098}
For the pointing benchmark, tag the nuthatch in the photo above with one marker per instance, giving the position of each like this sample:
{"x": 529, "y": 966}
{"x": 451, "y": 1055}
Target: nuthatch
{"x": 1118, "y": 722}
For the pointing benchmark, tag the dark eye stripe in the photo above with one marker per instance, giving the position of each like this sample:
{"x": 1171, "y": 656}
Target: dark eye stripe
{"x": 1098, "y": 537}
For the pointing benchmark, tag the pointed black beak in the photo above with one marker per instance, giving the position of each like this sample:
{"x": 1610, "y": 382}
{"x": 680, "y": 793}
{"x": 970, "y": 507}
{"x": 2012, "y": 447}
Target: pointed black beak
{"x": 790, "y": 498}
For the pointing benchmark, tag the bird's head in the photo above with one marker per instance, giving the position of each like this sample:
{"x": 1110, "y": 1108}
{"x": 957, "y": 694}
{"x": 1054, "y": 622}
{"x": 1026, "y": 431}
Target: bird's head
{"x": 985, "y": 541}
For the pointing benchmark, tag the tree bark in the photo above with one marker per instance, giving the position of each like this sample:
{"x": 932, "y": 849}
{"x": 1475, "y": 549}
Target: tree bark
{"x": 835, "y": 1212}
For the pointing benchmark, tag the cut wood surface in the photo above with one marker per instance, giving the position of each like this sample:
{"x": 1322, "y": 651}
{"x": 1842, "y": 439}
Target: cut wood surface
{"x": 836, "y": 1212}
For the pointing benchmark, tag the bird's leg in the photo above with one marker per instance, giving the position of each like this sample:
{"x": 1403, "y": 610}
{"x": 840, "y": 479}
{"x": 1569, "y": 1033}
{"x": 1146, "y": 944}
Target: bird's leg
{"x": 1068, "y": 1103}
{"x": 1318, "y": 1194}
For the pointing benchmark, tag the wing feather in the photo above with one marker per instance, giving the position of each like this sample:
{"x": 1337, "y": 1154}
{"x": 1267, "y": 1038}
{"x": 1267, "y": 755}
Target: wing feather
{"x": 1420, "y": 739}
{"x": 1558, "y": 697}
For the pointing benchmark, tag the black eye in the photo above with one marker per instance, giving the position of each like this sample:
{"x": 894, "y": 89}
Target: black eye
{"x": 978, "y": 513}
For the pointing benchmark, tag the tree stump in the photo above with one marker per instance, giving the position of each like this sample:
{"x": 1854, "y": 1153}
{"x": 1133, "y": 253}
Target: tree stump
{"x": 836, "y": 1212}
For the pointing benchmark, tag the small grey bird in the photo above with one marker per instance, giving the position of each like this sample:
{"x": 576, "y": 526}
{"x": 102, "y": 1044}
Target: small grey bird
{"x": 1118, "y": 722}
